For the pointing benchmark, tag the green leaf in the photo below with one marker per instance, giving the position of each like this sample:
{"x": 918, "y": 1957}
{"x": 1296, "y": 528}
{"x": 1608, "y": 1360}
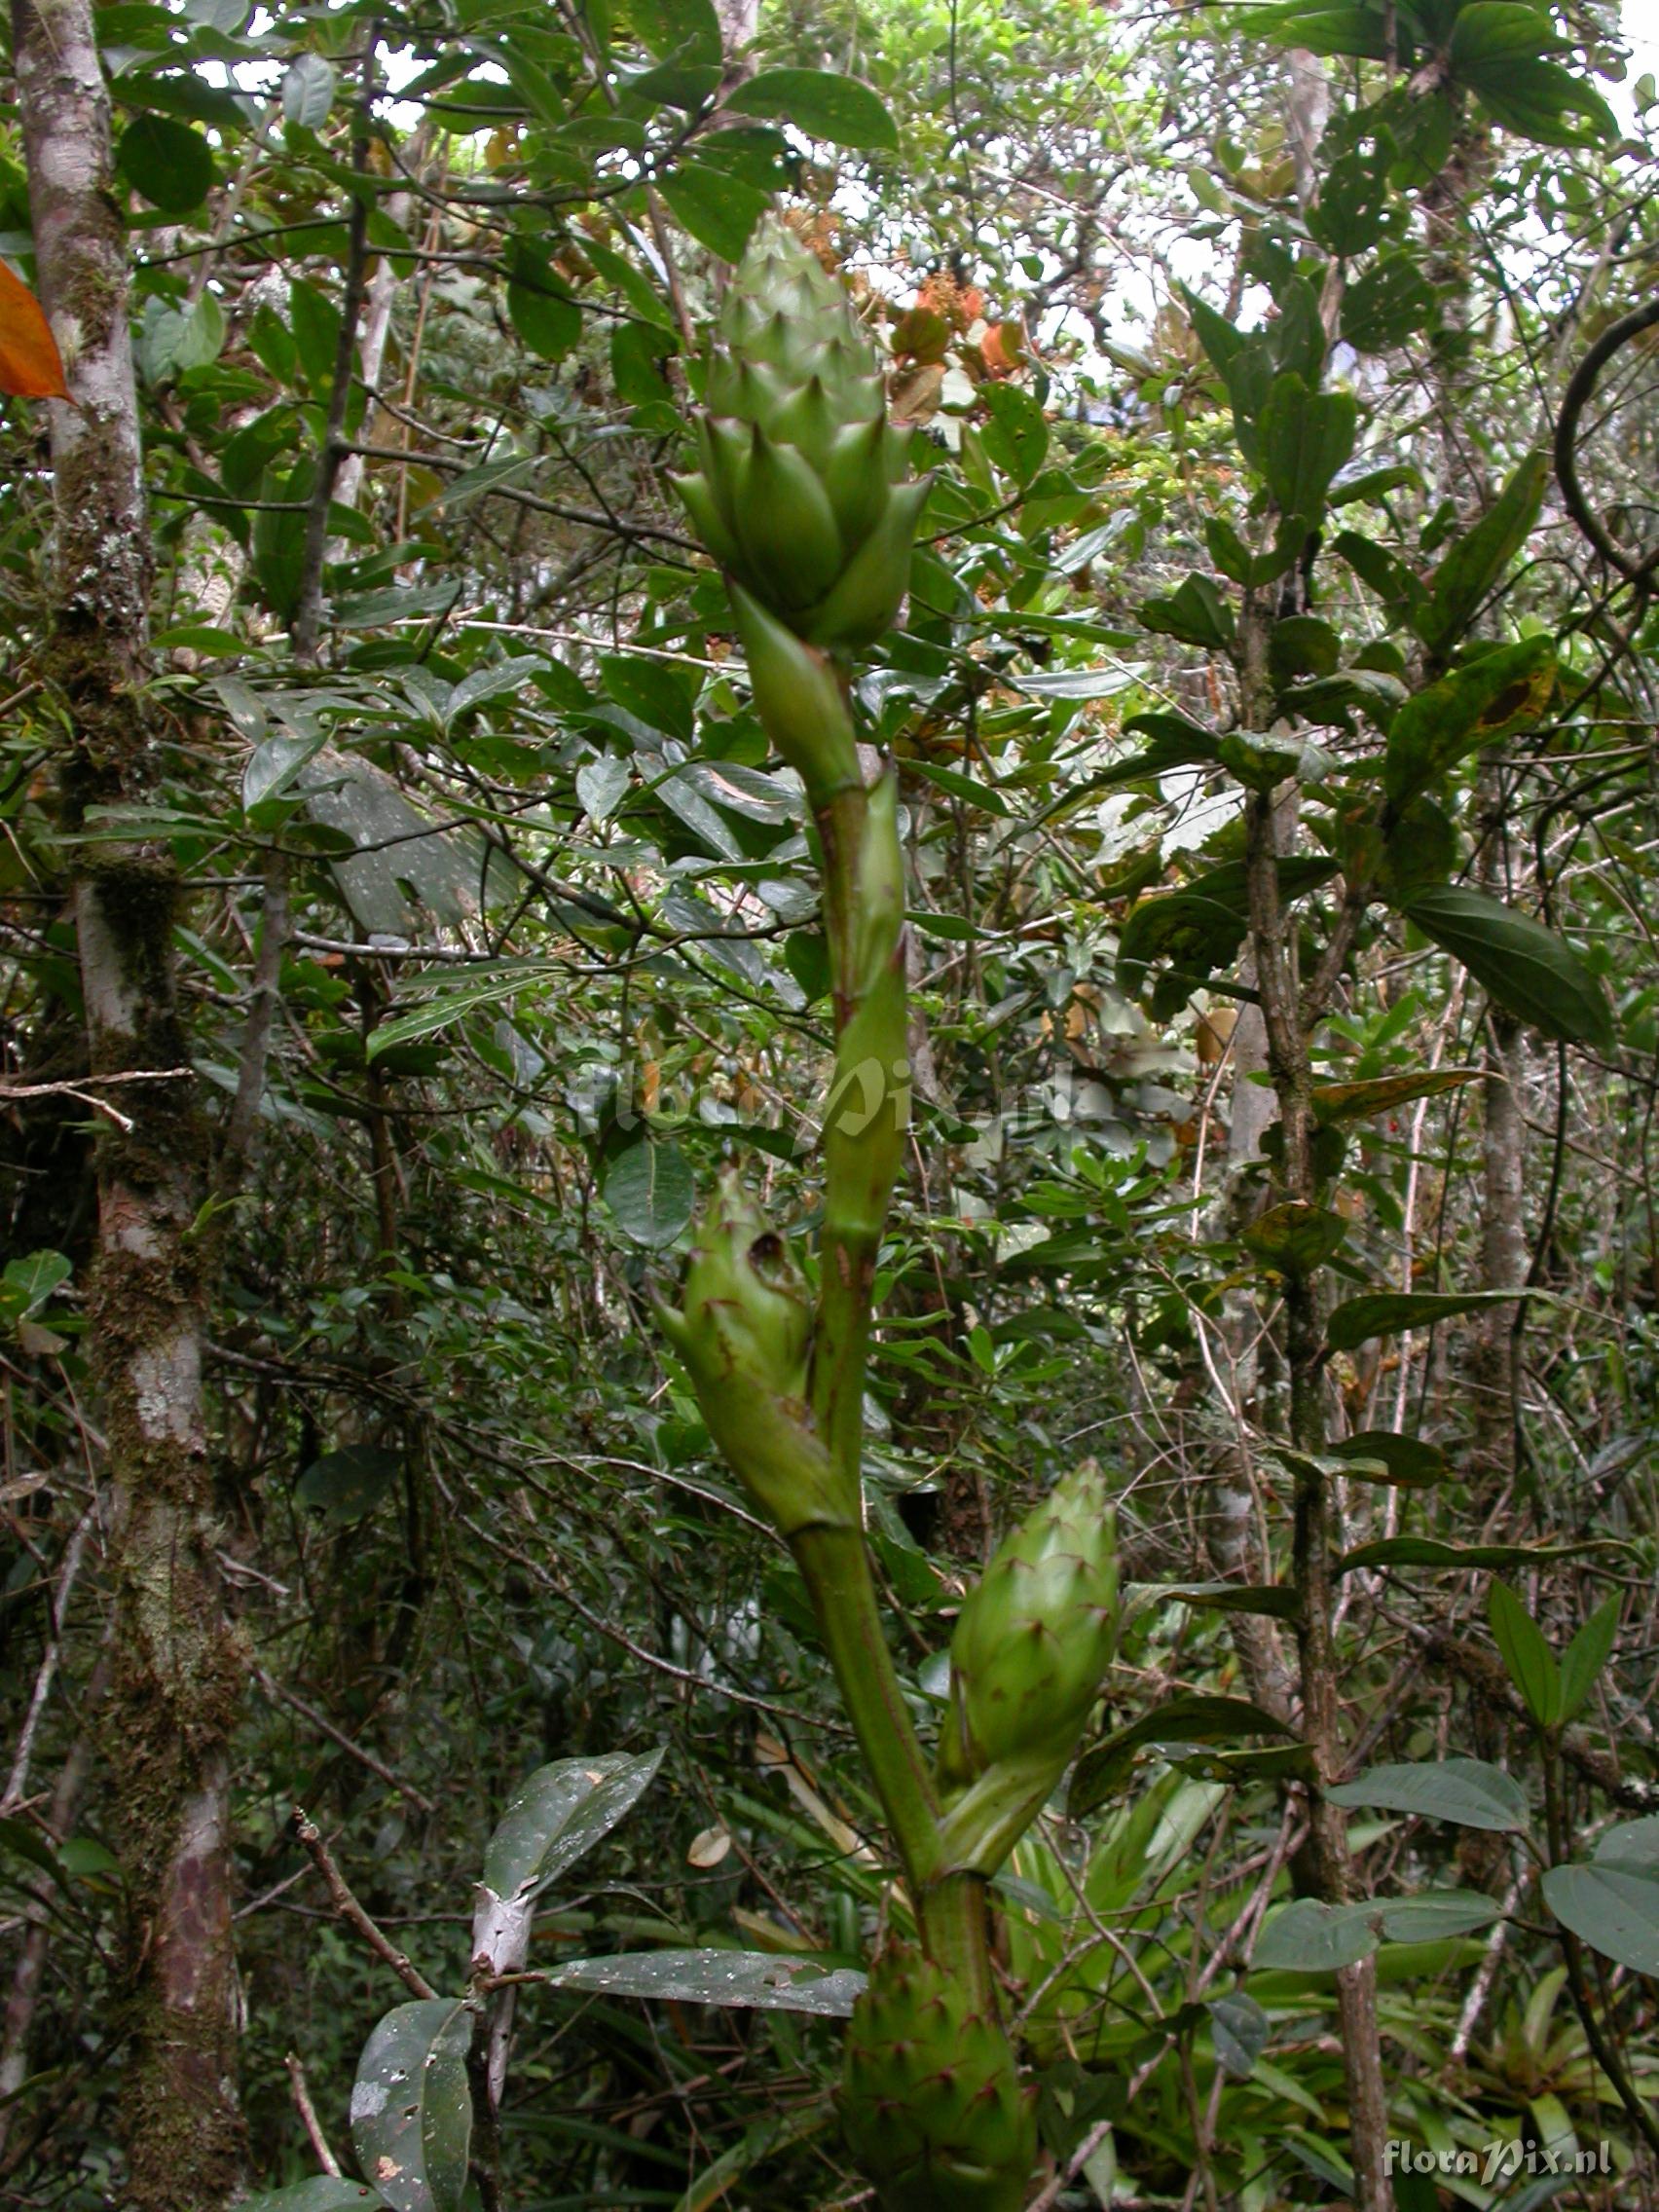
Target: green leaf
{"x": 1310, "y": 1937}
{"x": 1612, "y": 1903}
{"x": 1480, "y": 704}
{"x": 717, "y": 209}
{"x": 1388, "y": 1312}
{"x": 166, "y": 162}
{"x": 688, "y": 28}
{"x": 1379, "y": 1456}
{"x": 1192, "y": 1720}
{"x": 29, "y": 1282}
{"x": 411, "y": 2109}
{"x": 600, "y": 784}
{"x": 1194, "y": 612}
{"x": 558, "y": 1813}
{"x": 448, "y": 1002}
{"x": 1525, "y": 1654}
{"x": 655, "y": 690}
{"x": 308, "y": 91}
{"x": 822, "y": 104}
{"x": 650, "y": 1191}
{"x": 762, "y": 1979}
{"x": 1391, "y": 302}
{"x": 270, "y": 770}
{"x": 1524, "y": 966}
{"x": 544, "y": 313}
{"x": 1018, "y": 435}
{"x": 1352, "y": 208}
{"x": 1478, "y": 559}
{"x": 346, "y": 1486}
{"x": 1304, "y": 438}
{"x": 1429, "y": 1551}
{"x": 1584, "y": 1658}
{"x": 1241, "y": 2031}
{"x": 1277, "y": 1602}
{"x": 1306, "y": 1936}
{"x": 323, "y": 2194}
{"x": 1468, "y": 1793}
{"x": 1438, "y": 1914}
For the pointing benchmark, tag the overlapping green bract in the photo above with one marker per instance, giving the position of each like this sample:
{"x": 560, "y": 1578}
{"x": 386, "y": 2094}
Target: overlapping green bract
{"x": 931, "y": 2100}
{"x": 800, "y": 495}
{"x": 1035, "y": 1637}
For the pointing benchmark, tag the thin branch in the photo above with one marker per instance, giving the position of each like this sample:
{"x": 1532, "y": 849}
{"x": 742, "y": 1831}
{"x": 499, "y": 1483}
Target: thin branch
{"x": 351, "y": 1911}
{"x": 308, "y": 2121}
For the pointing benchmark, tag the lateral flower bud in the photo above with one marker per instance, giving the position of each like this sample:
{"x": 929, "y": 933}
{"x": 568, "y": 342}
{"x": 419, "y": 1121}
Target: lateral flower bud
{"x": 1035, "y": 1637}
{"x": 801, "y": 493}
{"x": 745, "y": 1334}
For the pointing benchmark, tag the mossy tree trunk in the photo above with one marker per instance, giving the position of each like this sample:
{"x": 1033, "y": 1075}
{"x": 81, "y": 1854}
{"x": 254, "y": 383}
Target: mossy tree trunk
{"x": 177, "y": 1673}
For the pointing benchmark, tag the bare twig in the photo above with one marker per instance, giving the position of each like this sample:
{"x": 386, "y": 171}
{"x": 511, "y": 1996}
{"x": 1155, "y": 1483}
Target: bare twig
{"x": 351, "y": 1913}
{"x": 308, "y": 2121}
{"x": 325, "y": 1727}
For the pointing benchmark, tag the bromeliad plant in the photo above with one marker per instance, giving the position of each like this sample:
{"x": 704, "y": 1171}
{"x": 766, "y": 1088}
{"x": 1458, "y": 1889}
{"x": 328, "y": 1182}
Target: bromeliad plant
{"x": 803, "y": 498}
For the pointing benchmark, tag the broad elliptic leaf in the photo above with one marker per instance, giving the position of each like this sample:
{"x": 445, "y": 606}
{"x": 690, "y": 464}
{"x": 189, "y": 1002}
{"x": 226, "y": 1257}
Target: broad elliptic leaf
{"x": 1528, "y": 1657}
{"x": 650, "y": 1191}
{"x": 1406, "y": 1461}
{"x": 1612, "y": 1903}
{"x": 543, "y": 313}
{"x": 717, "y": 210}
{"x": 600, "y": 783}
{"x": 1239, "y": 2030}
{"x": 1388, "y": 1313}
{"x": 411, "y": 2108}
{"x": 821, "y": 103}
{"x": 346, "y": 1484}
{"x": 1526, "y": 968}
{"x": 1317, "y": 1938}
{"x": 1310, "y": 1937}
{"x": 760, "y": 1979}
{"x": 1302, "y": 438}
{"x": 166, "y": 162}
{"x": 30, "y": 367}
{"x": 324, "y": 2194}
{"x": 308, "y": 91}
{"x": 1437, "y": 1914}
{"x": 1468, "y": 1793}
{"x": 688, "y": 29}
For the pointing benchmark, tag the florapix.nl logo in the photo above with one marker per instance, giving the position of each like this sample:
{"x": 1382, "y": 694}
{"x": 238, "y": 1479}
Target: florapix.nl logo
{"x": 1502, "y": 2159}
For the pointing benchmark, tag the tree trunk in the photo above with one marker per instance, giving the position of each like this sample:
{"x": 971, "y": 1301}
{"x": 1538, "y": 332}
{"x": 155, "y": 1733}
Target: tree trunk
{"x": 176, "y": 1669}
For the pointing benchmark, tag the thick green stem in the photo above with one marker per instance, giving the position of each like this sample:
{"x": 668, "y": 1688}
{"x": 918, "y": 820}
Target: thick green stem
{"x": 869, "y": 1101}
{"x": 836, "y": 1568}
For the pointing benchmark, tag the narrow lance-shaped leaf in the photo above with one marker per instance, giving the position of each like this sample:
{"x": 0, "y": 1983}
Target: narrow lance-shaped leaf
{"x": 1525, "y": 1654}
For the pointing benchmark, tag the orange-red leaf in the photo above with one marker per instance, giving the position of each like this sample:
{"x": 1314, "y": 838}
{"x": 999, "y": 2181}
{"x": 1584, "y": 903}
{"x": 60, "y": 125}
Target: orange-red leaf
{"x": 30, "y": 364}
